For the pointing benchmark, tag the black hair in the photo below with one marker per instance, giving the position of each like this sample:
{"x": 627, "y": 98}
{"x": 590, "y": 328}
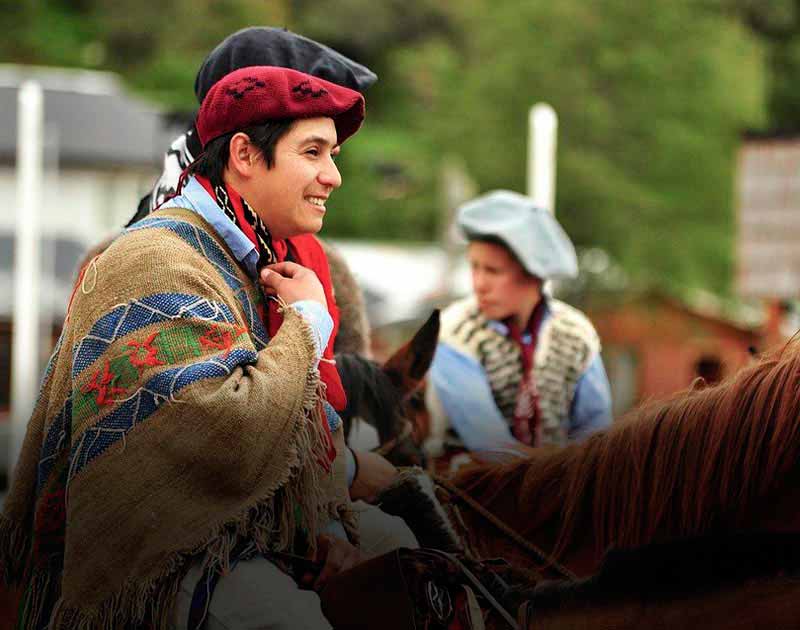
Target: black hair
{"x": 491, "y": 239}
{"x": 213, "y": 161}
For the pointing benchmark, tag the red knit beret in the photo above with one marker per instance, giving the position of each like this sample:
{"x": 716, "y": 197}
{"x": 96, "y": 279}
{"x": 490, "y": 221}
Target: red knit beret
{"x": 254, "y": 95}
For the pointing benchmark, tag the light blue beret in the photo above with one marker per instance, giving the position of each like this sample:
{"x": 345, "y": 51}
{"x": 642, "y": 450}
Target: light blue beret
{"x": 532, "y": 233}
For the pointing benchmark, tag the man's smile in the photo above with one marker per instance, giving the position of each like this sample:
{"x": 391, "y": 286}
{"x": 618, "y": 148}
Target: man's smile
{"x": 317, "y": 201}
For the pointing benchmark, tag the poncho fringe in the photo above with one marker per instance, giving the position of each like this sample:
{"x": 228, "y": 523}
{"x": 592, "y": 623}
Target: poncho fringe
{"x": 152, "y": 602}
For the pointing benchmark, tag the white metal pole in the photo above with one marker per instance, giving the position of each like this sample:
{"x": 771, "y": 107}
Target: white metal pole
{"x": 49, "y": 285}
{"x": 543, "y": 131}
{"x": 25, "y": 342}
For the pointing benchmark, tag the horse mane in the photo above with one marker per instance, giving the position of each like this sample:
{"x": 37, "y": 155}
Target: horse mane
{"x": 371, "y": 394}
{"x": 680, "y": 467}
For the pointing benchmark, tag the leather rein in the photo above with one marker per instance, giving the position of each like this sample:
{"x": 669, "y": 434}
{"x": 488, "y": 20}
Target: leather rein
{"x": 548, "y": 561}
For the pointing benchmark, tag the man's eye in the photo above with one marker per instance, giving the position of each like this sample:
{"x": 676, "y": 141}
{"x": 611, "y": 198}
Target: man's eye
{"x": 314, "y": 152}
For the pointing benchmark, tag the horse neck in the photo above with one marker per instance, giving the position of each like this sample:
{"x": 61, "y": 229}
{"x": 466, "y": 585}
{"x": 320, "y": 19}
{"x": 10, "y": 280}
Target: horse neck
{"x": 771, "y": 602}
{"x": 528, "y": 498}
{"x": 779, "y": 512}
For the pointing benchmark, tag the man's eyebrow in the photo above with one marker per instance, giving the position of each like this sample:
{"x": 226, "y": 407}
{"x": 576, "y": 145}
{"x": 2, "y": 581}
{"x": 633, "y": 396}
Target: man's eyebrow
{"x": 318, "y": 140}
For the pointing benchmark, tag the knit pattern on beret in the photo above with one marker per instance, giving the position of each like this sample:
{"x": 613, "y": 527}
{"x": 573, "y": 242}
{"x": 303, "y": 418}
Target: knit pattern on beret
{"x": 258, "y": 94}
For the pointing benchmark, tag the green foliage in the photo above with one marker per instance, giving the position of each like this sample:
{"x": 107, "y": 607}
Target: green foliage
{"x": 45, "y": 33}
{"x": 387, "y": 190}
{"x": 651, "y": 97}
{"x": 156, "y": 46}
{"x": 784, "y": 96}
{"x": 777, "y": 24}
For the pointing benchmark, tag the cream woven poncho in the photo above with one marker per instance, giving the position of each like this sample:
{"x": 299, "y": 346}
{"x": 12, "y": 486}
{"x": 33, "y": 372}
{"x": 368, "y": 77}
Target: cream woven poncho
{"x": 168, "y": 426}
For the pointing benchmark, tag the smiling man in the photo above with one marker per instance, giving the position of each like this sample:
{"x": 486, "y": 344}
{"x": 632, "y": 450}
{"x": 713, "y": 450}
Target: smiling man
{"x": 183, "y": 443}
{"x": 513, "y": 364}
{"x": 272, "y": 46}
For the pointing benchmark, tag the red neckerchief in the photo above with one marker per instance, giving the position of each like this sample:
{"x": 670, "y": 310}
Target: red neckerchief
{"x": 526, "y": 424}
{"x": 304, "y": 250}
{"x": 307, "y": 251}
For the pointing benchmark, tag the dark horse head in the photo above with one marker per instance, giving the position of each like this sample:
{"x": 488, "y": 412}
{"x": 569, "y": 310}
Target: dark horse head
{"x": 383, "y": 395}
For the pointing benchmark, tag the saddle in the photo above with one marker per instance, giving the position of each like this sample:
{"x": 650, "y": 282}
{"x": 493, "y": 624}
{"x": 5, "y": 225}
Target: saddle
{"x": 439, "y": 587}
{"x": 416, "y": 589}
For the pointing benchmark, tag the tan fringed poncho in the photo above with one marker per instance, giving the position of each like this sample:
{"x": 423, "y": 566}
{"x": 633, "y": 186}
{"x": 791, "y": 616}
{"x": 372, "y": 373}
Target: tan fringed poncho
{"x": 168, "y": 426}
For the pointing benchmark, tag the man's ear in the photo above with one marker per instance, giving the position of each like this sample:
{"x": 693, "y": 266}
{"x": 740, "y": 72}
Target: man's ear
{"x": 242, "y": 155}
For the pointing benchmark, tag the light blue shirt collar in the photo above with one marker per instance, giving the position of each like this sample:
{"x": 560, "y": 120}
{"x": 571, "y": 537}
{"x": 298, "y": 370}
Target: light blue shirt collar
{"x": 194, "y": 197}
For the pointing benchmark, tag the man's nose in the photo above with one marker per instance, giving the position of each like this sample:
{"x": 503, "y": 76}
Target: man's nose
{"x": 479, "y": 282}
{"x": 329, "y": 175}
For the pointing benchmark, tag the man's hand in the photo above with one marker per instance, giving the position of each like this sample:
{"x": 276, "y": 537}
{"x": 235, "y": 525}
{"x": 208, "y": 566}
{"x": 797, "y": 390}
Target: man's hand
{"x": 292, "y": 282}
{"x": 336, "y": 555}
{"x": 375, "y": 474}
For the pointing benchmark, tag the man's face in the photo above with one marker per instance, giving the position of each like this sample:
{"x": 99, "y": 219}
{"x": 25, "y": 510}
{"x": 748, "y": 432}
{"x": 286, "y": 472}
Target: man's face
{"x": 290, "y": 197}
{"x": 501, "y": 285}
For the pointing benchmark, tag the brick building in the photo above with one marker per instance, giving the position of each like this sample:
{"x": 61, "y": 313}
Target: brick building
{"x": 654, "y": 345}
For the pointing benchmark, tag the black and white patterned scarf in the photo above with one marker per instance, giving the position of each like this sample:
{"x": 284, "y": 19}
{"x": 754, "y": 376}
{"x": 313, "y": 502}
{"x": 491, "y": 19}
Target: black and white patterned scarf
{"x": 230, "y": 201}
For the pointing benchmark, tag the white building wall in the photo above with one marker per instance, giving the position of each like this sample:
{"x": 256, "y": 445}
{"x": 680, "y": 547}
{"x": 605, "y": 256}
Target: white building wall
{"x": 84, "y": 205}
{"x": 403, "y": 276}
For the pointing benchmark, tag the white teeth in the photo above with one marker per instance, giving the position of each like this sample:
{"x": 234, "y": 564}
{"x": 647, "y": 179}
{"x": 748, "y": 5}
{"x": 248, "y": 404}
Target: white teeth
{"x": 317, "y": 201}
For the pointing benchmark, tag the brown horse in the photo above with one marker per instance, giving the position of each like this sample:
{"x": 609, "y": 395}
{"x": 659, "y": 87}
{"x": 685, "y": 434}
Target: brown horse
{"x": 706, "y": 462}
{"x": 698, "y": 494}
{"x": 766, "y": 604}
{"x": 735, "y": 582}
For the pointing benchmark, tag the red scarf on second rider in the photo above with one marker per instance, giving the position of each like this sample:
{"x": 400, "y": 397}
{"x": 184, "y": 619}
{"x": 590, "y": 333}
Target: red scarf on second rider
{"x": 526, "y": 426}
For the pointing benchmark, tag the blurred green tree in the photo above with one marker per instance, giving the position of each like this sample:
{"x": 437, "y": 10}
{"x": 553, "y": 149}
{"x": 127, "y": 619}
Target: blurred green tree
{"x": 777, "y": 24}
{"x": 156, "y": 46}
{"x": 651, "y": 99}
